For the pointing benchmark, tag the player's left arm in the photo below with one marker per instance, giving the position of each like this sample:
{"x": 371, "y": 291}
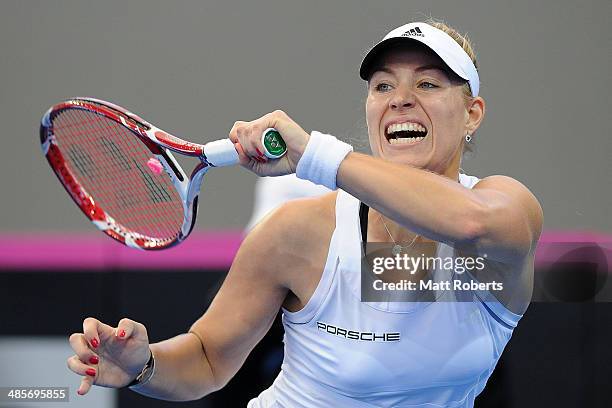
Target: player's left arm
{"x": 512, "y": 220}
{"x": 499, "y": 216}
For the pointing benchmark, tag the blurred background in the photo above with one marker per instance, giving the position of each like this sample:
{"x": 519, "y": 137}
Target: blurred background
{"x": 195, "y": 67}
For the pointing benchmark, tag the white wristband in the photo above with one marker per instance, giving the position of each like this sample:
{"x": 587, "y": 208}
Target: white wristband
{"x": 321, "y": 159}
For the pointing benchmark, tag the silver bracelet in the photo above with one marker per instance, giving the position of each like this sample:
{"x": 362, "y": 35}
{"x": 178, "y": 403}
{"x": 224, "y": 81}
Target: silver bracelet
{"x": 145, "y": 375}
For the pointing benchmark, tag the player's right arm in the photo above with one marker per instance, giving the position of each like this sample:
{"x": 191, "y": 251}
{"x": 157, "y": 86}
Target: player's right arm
{"x": 239, "y": 316}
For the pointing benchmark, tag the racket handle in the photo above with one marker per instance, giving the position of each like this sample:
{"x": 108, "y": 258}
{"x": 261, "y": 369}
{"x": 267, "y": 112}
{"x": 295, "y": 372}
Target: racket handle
{"x": 274, "y": 145}
{"x": 222, "y": 152}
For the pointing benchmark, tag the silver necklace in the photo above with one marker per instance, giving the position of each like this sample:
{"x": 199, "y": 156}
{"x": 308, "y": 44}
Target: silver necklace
{"x": 397, "y": 248}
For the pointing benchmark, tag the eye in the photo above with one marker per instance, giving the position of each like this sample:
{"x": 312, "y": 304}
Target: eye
{"x": 382, "y": 87}
{"x": 427, "y": 85}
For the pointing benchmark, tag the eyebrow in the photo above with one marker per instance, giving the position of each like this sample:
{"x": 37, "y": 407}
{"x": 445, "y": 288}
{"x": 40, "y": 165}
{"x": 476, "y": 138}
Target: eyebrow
{"x": 431, "y": 66}
{"x": 418, "y": 69}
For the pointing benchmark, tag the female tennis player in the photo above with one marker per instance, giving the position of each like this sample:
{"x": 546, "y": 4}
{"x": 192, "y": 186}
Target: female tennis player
{"x": 422, "y": 110}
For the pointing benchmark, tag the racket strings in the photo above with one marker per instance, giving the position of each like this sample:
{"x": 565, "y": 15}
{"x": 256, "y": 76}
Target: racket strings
{"x": 124, "y": 195}
{"x": 109, "y": 162}
{"x": 129, "y": 196}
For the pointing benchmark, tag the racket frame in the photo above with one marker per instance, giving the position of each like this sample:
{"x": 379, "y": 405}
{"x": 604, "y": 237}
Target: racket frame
{"x": 160, "y": 143}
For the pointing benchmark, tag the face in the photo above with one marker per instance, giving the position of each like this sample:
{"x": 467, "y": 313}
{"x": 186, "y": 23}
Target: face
{"x": 417, "y": 113}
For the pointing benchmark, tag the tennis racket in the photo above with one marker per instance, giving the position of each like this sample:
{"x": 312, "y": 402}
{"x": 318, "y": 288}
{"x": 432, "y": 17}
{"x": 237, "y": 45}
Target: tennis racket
{"x": 120, "y": 171}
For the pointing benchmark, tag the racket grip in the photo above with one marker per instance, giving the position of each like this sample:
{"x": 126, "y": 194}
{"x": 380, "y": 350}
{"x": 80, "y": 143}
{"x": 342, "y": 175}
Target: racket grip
{"x": 221, "y": 153}
{"x": 274, "y": 145}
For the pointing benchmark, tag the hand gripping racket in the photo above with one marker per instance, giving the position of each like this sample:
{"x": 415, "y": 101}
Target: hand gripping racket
{"x": 120, "y": 171}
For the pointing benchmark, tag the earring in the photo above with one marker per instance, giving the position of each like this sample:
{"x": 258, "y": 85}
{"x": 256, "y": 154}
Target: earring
{"x": 468, "y": 138}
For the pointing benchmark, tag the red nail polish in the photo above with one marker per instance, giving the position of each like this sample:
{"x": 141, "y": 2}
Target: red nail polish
{"x": 95, "y": 343}
{"x": 93, "y": 360}
{"x": 90, "y": 372}
{"x": 121, "y": 333}
{"x": 79, "y": 392}
{"x": 258, "y": 152}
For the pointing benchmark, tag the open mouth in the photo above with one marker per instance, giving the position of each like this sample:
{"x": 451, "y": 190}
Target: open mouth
{"x": 405, "y": 133}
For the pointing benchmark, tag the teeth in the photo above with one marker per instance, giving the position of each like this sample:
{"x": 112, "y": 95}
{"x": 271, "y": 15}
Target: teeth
{"x": 406, "y": 140}
{"x": 406, "y": 127}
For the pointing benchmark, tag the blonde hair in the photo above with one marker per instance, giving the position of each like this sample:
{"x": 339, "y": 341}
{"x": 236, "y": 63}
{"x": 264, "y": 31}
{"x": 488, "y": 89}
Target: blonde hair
{"x": 464, "y": 41}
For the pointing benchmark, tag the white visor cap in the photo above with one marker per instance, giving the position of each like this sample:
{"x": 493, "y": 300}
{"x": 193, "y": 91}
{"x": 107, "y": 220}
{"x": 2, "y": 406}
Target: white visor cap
{"x": 437, "y": 40}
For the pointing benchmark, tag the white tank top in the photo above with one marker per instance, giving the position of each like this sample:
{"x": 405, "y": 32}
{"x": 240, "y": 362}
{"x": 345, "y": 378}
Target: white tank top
{"x": 341, "y": 352}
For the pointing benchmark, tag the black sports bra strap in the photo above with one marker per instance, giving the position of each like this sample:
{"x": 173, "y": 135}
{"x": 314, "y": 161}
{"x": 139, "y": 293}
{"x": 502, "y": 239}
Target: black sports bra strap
{"x": 363, "y": 222}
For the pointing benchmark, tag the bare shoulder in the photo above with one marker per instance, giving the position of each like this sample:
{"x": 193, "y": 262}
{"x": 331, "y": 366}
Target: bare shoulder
{"x": 517, "y": 194}
{"x": 294, "y": 233}
{"x": 293, "y": 221}
{"x": 501, "y": 181}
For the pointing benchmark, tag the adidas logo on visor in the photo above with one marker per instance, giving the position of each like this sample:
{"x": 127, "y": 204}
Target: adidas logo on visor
{"x": 413, "y": 32}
